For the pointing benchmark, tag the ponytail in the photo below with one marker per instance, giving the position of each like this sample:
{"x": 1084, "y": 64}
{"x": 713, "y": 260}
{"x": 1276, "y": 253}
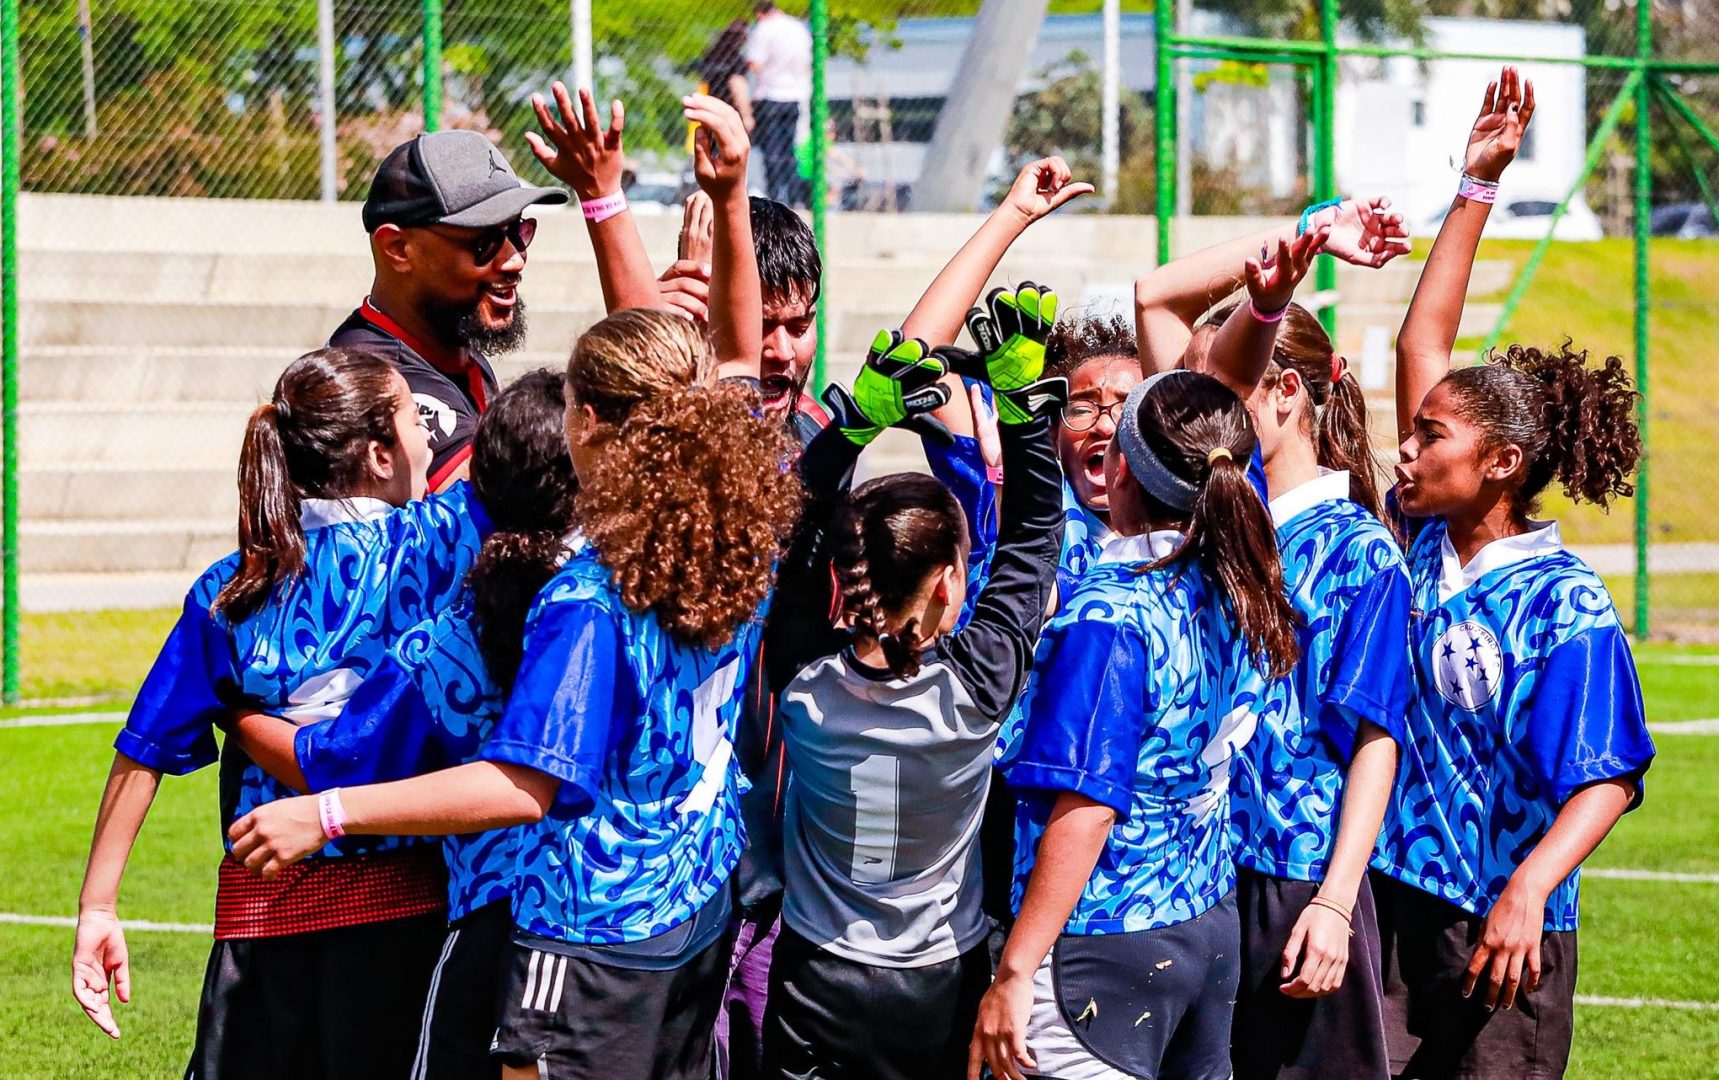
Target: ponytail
{"x": 1342, "y": 440}
{"x": 311, "y": 439}
{"x": 1232, "y": 535}
{"x": 689, "y": 505}
{"x": 271, "y": 538}
{"x": 523, "y": 475}
{"x": 1186, "y": 437}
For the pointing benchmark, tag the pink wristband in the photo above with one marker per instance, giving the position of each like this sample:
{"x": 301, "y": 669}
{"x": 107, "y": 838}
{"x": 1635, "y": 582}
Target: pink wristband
{"x": 332, "y": 814}
{"x": 1266, "y": 317}
{"x": 1480, "y": 191}
{"x": 994, "y": 473}
{"x": 600, "y": 210}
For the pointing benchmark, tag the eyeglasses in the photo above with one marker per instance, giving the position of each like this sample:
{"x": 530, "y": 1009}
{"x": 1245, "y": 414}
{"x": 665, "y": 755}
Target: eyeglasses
{"x": 1083, "y": 415}
{"x": 485, "y": 245}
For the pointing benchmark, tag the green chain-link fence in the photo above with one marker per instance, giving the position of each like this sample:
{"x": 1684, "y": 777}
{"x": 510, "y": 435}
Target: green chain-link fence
{"x": 140, "y": 330}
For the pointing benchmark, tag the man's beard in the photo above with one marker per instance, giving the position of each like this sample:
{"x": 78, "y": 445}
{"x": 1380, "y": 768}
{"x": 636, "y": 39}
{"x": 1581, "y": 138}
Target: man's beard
{"x": 471, "y": 333}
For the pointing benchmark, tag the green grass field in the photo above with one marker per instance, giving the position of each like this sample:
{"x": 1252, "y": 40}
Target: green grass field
{"x": 1640, "y": 939}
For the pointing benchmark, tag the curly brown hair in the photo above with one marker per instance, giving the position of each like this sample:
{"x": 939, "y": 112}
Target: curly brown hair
{"x": 690, "y": 506}
{"x": 1077, "y": 338}
{"x": 1575, "y": 424}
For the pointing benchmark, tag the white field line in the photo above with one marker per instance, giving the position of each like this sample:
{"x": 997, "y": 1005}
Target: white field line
{"x": 1698, "y": 660}
{"x": 64, "y": 720}
{"x": 1646, "y": 1003}
{"x": 1617, "y": 874}
{"x": 1686, "y": 727}
{"x": 69, "y": 922}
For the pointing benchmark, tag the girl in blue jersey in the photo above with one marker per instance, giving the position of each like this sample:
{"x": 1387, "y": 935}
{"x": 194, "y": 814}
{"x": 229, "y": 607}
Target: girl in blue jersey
{"x": 1526, "y": 736}
{"x": 336, "y": 561}
{"x": 1310, "y": 787}
{"x": 1146, "y": 684}
{"x": 434, "y": 698}
{"x": 613, "y": 750}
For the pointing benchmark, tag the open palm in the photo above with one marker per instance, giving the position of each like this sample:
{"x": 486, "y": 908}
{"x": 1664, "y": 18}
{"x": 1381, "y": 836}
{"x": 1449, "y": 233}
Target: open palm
{"x": 1498, "y": 131}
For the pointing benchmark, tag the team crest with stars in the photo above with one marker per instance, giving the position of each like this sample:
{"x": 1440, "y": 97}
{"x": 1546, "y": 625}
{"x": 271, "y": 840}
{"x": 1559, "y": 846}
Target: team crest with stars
{"x": 1468, "y": 665}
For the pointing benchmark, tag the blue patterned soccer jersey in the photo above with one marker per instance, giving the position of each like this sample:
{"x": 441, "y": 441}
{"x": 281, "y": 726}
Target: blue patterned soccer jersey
{"x": 1142, "y": 698}
{"x": 428, "y": 705}
{"x": 371, "y": 574}
{"x": 1524, "y": 691}
{"x": 1350, "y": 589}
{"x": 638, "y": 728}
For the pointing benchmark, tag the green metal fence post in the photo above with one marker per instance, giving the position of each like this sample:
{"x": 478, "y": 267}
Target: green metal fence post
{"x": 432, "y": 65}
{"x": 820, "y": 20}
{"x": 1164, "y": 127}
{"x": 1643, "y": 300}
{"x": 9, "y": 151}
{"x": 1669, "y": 100}
{"x": 1324, "y": 152}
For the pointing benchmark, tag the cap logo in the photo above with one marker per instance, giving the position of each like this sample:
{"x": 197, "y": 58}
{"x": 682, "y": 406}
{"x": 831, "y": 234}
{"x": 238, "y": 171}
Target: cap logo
{"x": 496, "y": 165}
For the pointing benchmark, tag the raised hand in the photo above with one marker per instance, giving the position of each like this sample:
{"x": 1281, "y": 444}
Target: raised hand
{"x": 101, "y": 968}
{"x": 696, "y": 230}
{"x": 1271, "y": 280}
{"x": 1042, "y": 187}
{"x": 719, "y": 147}
{"x": 575, "y": 147}
{"x": 1010, "y": 330}
{"x": 1498, "y": 130}
{"x": 899, "y": 386}
{"x": 1363, "y": 231}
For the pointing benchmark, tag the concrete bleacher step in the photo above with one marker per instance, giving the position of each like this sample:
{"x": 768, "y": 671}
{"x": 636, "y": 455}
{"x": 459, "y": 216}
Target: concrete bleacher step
{"x": 129, "y": 492}
{"x": 128, "y": 546}
{"x": 154, "y": 435}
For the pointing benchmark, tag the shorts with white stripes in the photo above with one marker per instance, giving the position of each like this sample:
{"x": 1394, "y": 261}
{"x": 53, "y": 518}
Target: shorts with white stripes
{"x": 460, "y": 1014}
{"x": 578, "y": 1019}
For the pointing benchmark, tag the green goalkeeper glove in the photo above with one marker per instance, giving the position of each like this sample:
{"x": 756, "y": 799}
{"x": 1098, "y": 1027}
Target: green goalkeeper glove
{"x": 899, "y": 386}
{"x": 1010, "y": 330}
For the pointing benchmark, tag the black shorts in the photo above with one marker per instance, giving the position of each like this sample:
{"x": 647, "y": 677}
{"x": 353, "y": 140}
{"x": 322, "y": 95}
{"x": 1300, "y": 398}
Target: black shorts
{"x": 334, "y": 1003}
{"x": 1149, "y": 1003}
{"x": 573, "y": 1017}
{"x": 1432, "y": 1030}
{"x": 1340, "y": 1035}
{"x": 465, "y": 991}
{"x": 833, "y": 1017}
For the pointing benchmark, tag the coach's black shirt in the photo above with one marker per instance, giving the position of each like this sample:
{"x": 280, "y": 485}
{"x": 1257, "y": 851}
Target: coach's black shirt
{"x": 451, "y": 394}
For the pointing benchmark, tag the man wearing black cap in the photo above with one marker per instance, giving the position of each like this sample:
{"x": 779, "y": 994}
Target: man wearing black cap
{"x": 448, "y": 243}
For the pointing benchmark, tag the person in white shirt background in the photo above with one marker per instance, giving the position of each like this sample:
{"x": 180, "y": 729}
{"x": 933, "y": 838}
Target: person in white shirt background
{"x": 779, "y": 54}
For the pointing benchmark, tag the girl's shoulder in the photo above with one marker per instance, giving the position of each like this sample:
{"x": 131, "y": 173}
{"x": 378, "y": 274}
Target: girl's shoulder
{"x": 582, "y": 579}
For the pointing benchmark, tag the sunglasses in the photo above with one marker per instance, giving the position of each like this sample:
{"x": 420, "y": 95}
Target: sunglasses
{"x": 486, "y": 244}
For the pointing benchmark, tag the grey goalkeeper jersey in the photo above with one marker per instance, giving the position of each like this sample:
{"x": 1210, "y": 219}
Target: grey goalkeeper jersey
{"x": 888, "y": 775}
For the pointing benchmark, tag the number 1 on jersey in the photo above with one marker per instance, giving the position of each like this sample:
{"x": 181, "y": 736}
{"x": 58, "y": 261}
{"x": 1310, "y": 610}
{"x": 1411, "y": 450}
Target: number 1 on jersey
{"x": 875, "y": 784}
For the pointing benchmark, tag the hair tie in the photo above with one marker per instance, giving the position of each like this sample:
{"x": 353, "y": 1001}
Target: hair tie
{"x": 1338, "y": 366}
{"x": 1217, "y": 452}
{"x": 283, "y": 414}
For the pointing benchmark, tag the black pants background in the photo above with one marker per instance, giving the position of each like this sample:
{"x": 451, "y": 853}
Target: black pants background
{"x": 774, "y": 123}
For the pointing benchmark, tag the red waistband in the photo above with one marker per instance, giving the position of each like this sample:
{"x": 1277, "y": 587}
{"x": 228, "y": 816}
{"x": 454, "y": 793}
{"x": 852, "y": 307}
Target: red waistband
{"x": 326, "y": 894}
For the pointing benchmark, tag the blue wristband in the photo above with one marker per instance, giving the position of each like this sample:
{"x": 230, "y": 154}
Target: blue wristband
{"x": 1307, "y": 214}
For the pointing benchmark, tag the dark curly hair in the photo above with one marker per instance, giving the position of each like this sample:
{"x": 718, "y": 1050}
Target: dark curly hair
{"x": 1574, "y": 423}
{"x": 691, "y": 503}
{"x": 1077, "y": 338}
{"x": 888, "y": 535}
{"x": 523, "y": 475}
{"x": 1338, "y": 423}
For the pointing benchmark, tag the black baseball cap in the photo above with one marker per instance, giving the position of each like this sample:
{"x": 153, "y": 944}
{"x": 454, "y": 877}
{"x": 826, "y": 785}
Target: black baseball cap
{"x": 449, "y": 178}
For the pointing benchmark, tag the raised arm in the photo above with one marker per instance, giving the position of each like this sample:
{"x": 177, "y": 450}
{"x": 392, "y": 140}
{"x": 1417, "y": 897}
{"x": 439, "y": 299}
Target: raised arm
{"x": 720, "y": 150}
{"x": 1169, "y": 299}
{"x": 1241, "y": 352}
{"x": 579, "y": 152}
{"x": 1429, "y": 330}
{"x": 1041, "y": 188}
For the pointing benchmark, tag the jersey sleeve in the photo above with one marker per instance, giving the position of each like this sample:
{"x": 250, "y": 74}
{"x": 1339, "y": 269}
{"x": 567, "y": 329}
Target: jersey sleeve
{"x": 1084, "y": 723}
{"x": 171, "y": 726}
{"x": 1369, "y": 673}
{"x": 385, "y": 732}
{"x": 574, "y": 686}
{"x": 798, "y": 629}
{"x": 961, "y": 467}
{"x": 1586, "y": 722}
{"x": 442, "y": 534}
{"x": 993, "y": 653}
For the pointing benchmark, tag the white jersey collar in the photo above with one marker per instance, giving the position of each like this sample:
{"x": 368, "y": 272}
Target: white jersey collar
{"x": 1147, "y": 547}
{"x": 318, "y": 513}
{"x": 1329, "y": 486}
{"x": 1541, "y": 539}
